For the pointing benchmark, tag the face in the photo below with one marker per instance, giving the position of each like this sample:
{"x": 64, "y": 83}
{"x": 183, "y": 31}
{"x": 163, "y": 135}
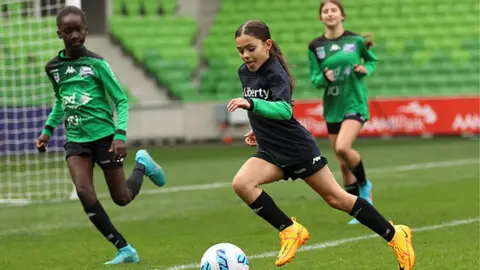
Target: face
{"x": 253, "y": 51}
{"x": 73, "y": 31}
{"x": 331, "y": 15}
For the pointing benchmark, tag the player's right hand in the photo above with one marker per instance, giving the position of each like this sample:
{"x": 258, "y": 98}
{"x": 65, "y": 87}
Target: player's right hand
{"x": 328, "y": 73}
{"x": 42, "y": 142}
{"x": 250, "y": 139}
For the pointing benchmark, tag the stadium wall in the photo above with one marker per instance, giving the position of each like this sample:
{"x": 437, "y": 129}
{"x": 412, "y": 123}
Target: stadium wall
{"x": 417, "y": 116}
{"x": 209, "y": 121}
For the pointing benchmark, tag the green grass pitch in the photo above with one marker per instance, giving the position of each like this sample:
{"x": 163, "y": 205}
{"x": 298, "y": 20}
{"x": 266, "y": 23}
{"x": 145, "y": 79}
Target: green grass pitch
{"x": 431, "y": 185}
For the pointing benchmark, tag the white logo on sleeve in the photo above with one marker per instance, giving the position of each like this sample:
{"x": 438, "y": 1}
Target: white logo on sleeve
{"x": 56, "y": 76}
{"x": 109, "y": 68}
{"x": 320, "y": 52}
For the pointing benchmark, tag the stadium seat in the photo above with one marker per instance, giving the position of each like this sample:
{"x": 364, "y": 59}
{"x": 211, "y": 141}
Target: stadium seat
{"x": 162, "y": 42}
{"x": 424, "y": 48}
{"x": 417, "y": 43}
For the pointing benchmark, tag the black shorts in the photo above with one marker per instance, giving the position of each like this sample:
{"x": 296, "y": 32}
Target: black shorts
{"x": 302, "y": 169}
{"x": 334, "y": 128}
{"x": 97, "y": 151}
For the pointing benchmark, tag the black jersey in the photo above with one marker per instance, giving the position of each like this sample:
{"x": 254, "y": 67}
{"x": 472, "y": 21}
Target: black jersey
{"x": 285, "y": 140}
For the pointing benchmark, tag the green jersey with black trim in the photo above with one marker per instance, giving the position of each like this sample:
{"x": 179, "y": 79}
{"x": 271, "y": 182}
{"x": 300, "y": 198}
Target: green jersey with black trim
{"x": 85, "y": 88}
{"x": 347, "y": 94}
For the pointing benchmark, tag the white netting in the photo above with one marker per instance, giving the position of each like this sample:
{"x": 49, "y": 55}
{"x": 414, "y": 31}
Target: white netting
{"x": 27, "y": 41}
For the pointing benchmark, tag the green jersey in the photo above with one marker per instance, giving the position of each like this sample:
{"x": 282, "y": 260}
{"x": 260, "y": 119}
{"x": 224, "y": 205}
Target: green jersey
{"x": 347, "y": 94}
{"x": 84, "y": 89}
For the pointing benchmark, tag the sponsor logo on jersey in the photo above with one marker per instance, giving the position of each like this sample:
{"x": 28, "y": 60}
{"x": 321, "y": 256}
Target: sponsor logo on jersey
{"x": 85, "y": 98}
{"x": 256, "y": 93}
{"x": 74, "y": 101}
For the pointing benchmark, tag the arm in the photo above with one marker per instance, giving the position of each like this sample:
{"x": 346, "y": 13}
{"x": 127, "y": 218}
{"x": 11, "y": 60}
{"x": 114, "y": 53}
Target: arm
{"x": 57, "y": 113}
{"x": 370, "y": 59}
{"x": 316, "y": 73}
{"x": 116, "y": 93}
{"x": 278, "y": 107}
{"x": 279, "y": 110}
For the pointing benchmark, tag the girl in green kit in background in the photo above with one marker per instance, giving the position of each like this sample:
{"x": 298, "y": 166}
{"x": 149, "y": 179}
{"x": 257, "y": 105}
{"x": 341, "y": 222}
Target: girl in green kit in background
{"x": 335, "y": 65}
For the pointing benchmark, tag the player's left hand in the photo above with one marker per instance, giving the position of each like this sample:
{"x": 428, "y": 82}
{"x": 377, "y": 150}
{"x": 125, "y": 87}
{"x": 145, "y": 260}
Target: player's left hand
{"x": 119, "y": 149}
{"x": 238, "y": 103}
{"x": 360, "y": 69}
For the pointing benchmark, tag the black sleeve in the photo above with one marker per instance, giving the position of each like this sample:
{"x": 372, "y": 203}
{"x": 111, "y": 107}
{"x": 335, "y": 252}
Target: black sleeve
{"x": 280, "y": 87}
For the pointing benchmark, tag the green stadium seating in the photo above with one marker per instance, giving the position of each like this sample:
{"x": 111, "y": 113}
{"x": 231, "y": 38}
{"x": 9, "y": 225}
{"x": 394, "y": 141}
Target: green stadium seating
{"x": 163, "y": 43}
{"x": 424, "y": 48}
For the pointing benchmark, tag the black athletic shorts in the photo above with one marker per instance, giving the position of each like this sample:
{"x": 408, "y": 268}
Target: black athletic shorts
{"x": 334, "y": 128}
{"x": 302, "y": 169}
{"x": 97, "y": 151}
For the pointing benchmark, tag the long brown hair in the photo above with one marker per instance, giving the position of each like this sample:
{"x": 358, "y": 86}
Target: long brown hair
{"x": 260, "y": 30}
{"x": 368, "y": 36}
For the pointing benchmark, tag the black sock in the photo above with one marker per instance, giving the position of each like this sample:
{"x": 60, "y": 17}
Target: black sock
{"x": 359, "y": 173}
{"x": 265, "y": 207}
{"x": 366, "y": 214}
{"x": 102, "y": 222}
{"x": 135, "y": 181}
{"x": 352, "y": 189}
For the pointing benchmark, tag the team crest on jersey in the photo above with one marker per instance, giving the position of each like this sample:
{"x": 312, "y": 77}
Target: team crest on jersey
{"x": 86, "y": 71}
{"x": 320, "y": 52}
{"x": 349, "y": 47}
{"x": 55, "y": 75}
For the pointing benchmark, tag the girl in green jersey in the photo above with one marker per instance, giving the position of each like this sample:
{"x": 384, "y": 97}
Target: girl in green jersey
{"x": 335, "y": 65}
{"x": 82, "y": 84}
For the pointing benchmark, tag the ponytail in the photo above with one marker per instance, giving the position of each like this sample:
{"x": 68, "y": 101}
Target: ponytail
{"x": 276, "y": 52}
{"x": 368, "y": 40}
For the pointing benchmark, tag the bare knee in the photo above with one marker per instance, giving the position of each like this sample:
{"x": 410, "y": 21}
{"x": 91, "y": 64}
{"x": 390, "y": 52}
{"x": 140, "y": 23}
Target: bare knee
{"x": 342, "y": 151}
{"x": 121, "y": 200}
{"x": 339, "y": 200}
{"x": 241, "y": 185}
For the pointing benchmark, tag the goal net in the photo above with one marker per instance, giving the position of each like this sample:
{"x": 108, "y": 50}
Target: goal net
{"x": 27, "y": 41}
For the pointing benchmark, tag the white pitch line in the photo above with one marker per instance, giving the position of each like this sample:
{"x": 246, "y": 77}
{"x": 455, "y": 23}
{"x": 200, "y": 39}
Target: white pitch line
{"x": 59, "y": 225}
{"x": 401, "y": 168}
{"x": 271, "y": 254}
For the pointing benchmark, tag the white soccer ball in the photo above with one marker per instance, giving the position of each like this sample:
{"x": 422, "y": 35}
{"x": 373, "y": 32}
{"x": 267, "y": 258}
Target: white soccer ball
{"x": 224, "y": 256}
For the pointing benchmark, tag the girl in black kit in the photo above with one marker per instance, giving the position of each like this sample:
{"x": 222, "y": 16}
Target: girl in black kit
{"x": 287, "y": 150}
